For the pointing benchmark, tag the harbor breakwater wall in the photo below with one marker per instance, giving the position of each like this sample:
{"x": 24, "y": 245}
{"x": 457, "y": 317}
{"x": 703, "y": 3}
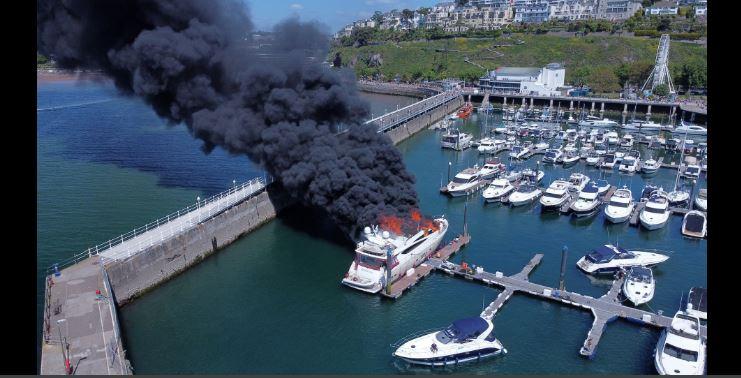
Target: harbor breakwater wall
{"x": 143, "y": 271}
{"x": 397, "y": 89}
{"x": 423, "y": 121}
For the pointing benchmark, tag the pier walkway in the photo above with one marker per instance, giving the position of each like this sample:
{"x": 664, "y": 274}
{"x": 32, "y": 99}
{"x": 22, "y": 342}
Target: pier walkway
{"x": 604, "y": 309}
{"x": 398, "y": 117}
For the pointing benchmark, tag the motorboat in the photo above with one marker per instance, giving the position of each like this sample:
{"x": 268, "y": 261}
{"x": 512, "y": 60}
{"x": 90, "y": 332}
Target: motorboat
{"x": 498, "y": 189}
{"x": 600, "y": 149}
{"x": 490, "y": 145}
{"x": 630, "y": 163}
{"x": 540, "y": 147}
{"x": 597, "y": 123}
{"x": 621, "y": 206}
{"x": 555, "y": 195}
{"x": 578, "y": 181}
{"x": 656, "y": 212}
{"x": 552, "y": 155}
{"x": 465, "y": 182}
{"x": 681, "y": 350}
{"x": 600, "y": 139}
{"x": 525, "y": 194}
{"x": 593, "y": 158}
{"x": 513, "y": 176}
{"x": 678, "y": 198}
{"x": 701, "y": 201}
{"x": 381, "y": 248}
{"x": 695, "y": 224}
{"x": 626, "y": 141}
{"x": 691, "y": 171}
{"x": 690, "y": 129}
{"x": 639, "y": 285}
{"x": 612, "y": 137}
{"x": 532, "y": 176}
{"x": 697, "y": 303}
{"x": 608, "y": 161}
{"x": 570, "y": 158}
{"x": 602, "y": 186}
{"x": 492, "y": 168}
{"x": 650, "y": 166}
{"x": 465, "y": 111}
{"x": 456, "y": 139}
{"x": 500, "y": 130}
{"x": 644, "y": 126}
{"x": 465, "y": 340}
{"x": 588, "y": 201}
{"x": 672, "y": 144}
{"x": 608, "y": 259}
{"x": 649, "y": 190}
{"x": 519, "y": 152}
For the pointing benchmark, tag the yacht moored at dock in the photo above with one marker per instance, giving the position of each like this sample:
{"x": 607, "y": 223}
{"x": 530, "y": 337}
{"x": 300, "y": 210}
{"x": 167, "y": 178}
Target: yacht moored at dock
{"x": 380, "y": 249}
{"x": 695, "y": 224}
{"x": 465, "y": 182}
{"x": 701, "y": 201}
{"x": 469, "y": 339}
{"x": 656, "y": 212}
{"x": 697, "y": 303}
{"x": 456, "y": 140}
{"x": 608, "y": 259}
{"x": 588, "y": 201}
{"x": 526, "y": 193}
{"x": 498, "y": 189}
{"x": 555, "y": 195}
{"x": 621, "y": 206}
{"x": 639, "y": 286}
{"x": 681, "y": 349}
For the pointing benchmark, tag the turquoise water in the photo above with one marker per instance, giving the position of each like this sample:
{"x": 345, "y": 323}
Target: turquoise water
{"x": 272, "y": 301}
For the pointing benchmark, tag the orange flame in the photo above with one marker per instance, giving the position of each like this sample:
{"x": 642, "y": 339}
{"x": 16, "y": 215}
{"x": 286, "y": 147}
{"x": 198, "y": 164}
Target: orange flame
{"x": 400, "y": 226}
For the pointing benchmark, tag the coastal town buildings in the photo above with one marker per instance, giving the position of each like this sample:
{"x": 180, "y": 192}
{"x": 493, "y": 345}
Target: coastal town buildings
{"x": 663, "y": 8}
{"x": 545, "y": 81}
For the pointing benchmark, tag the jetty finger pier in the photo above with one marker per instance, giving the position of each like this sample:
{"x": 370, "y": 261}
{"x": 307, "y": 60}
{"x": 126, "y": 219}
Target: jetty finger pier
{"x": 605, "y": 309}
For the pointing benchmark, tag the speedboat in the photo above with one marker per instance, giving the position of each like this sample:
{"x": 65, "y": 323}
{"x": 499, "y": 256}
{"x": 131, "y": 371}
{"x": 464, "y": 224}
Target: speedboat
{"x": 644, "y": 126}
{"x": 626, "y": 141}
{"x": 691, "y": 171}
{"x": 695, "y": 224}
{"x": 570, "y": 158}
{"x": 593, "y": 158}
{"x": 491, "y": 169}
{"x": 526, "y": 193}
{"x": 681, "y": 349}
{"x": 608, "y": 161}
{"x": 602, "y": 186}
{"x": 701, "y": 201}
{"x": 630, "y": 163}
{"x": 650, "y": 166}
{"x": 697, "y": 303}
{"x": 600, "y": 139}
{"x": 690, "y": 129}
{"x": 498, "y": 189}
{"x": 578, "y": 181}
{"x": 519, "y": 152}
{"x": 540, "y": 147}
{"x": 612, "y": 137}
{"x": 588, "y": 201}
{"x": 656, "y": 212}
{"x": 608, "y": 259}
{"x": 532, "y": 175}
{"x": 381, "y": 248}
{"x": 513, "y": 176}
{"x": 556, "y": 195}
{"x": 621, "y": 205}
{"x": 466, "y": 182}
{"x": 552, "y": 155}
{"x": 465, "y": 340}
{"x": 489, "y": 145}
{"x": 500, "y": 130}
{"x": 639, "y": 285}
{"x": 678, "y": 198}
{"x": 456, "y": 139}
{"x": 649, "y": 190}
{"x": 597, "y": 123}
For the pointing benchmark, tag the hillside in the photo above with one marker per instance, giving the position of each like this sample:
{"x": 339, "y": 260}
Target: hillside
{"x": 602, "y": 61}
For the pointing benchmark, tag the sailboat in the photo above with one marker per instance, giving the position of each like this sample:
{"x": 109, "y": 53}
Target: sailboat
{"x": 679, "y": 197}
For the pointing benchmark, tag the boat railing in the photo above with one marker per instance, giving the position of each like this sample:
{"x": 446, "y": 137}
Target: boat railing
{"x": 415, "y": 335}
{"x": 254, "y": 186}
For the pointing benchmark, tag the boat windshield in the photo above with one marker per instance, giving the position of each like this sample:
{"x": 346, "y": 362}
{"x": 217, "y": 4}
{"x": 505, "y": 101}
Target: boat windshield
{"x": 550, "y": 154}
{"x": 654, "y": 210}
{"x": 682, "y": 354}
{"x": 552, "y": 195}
{"x": 461, "y": 180}
{"x": 619, "y": 204}
{"x": 369, "y": 262}
{"x": 692, "y": 170}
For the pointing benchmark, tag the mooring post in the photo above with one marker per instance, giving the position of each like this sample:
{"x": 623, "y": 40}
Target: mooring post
{"x": 465, "y": 216}
{"x": 449, "y": 165}
{"x": 564, "y": 253}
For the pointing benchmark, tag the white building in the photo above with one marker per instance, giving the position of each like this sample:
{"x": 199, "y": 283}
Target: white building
{"x": 545, "y": 81}
{"x": 617, "y": 9}
{"x": 663, "y": 8}
{"x": 572, "y": 10}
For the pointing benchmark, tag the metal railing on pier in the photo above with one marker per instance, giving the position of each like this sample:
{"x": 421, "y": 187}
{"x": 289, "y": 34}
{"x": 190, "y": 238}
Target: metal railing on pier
{"x": 197, "y": 212}
{"x": 399, "y": 116}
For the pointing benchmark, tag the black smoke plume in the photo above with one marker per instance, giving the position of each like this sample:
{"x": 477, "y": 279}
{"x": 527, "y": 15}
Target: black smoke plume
{"x": 195, "y": 62}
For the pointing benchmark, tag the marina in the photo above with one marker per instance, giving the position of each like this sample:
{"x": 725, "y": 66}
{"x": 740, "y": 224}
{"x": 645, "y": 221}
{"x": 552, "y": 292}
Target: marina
{"x": 493, "y": 221}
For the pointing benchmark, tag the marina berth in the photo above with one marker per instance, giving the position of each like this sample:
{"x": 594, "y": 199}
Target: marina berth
{"x": 532, "y": 175}
{"x": 456, "y": 140}
{"x": 650, "y": 166}
{"x": 570, "y": 158}
{"x": 680, "y": 349}
{"x": 608, "y": 259}
{"x": 498, "y": 189}
{"x": 593, "y": 158}
{"x": 621, "y": 206}
{"x": 608, "y": 161}
{"x": 697, "y": 303}
{"x": 578, "y": 181}
{"x": 465, "y": 340}
{"x": 588, "y": 201}
{"x": 382, "y": 257}
{"x": 552, "y": 155}
{"x": 639, "y": 286}
{"x": 466, "y": 182}
{"x": 630, "y": 163}
{"x": 525, "y": 194}
{"x": 491, "y": 169}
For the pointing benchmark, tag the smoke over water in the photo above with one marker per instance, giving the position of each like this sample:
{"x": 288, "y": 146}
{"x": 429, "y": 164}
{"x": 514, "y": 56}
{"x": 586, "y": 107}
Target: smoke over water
{"x": 195, "y": 63}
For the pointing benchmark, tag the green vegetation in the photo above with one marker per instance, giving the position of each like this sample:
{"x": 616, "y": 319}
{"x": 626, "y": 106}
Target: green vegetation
{"x": 43, "y": 63}
{"x": 604, "y": 62}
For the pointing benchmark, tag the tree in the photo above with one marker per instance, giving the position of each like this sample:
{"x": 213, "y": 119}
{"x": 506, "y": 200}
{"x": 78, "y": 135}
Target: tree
{"x": 664, "y": 24}
{"x": 661, "y": 90}
{"x": 424, "y": 11}
{"x": 40, "y": 59}
{"x": 603, "y": 80}
{"x": 407, "y": 14}
{"x": 377, "y": 17}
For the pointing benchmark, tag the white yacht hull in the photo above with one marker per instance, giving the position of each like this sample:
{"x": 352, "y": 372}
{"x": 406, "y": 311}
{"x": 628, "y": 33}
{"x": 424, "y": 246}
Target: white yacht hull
{"x": 655, "y": 223}
{"x": 522, "y": 200}
{"x": 617, "y": 216}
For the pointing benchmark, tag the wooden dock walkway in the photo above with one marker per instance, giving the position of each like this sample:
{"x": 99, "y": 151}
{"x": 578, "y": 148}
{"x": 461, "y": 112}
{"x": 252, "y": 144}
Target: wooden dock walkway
{"x": 609, "y": 193}
{"x": 424, "y": 269}
{"x": 636, "y": 213}
{"x": 604, "y": 309}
